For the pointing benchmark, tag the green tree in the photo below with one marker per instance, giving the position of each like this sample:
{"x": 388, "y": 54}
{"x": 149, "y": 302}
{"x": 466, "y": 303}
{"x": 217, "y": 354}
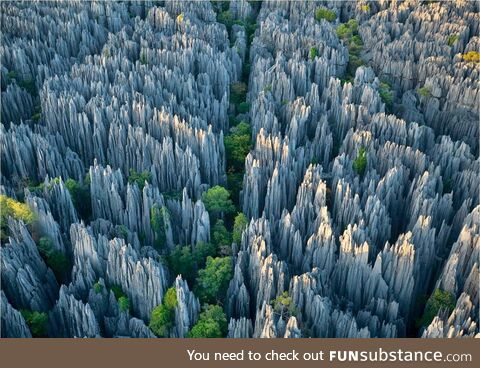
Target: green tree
{"x": 243, "y": 107}
{"x": 439, "y": 300}
{"x": 238, "y": 92}
{"x": 181, "y": 262}
{"x": 117, "y": 291}
{"x": 360, "y": 163}
{"x": 97, "y": 287}
{"x": 424, "y": 91}
{"x": 123, "y": 304}
{"x": 237, "y": 147}
{"x": 139, "y": 178}
{"x": 386, "y": 94}
{"x": 284, "y": 306}
{"x": 170, "y": 298}
{"x": 9, "y": 207}
{"x": 222, "y": 238}
{"x": 163, "y": 315}
{"x": 239, "y": 224}
{"x": 212, "y": 281}
{"x": 36, "y": 321}
{"x": 313, "y": 53}
{"x": 54, "y": 259}
{"x": 81, "y": 196}
{"x": 202, "y": 251}
{"x": 324, "y": 13}
{"x": 212, "y": 323}
{"x": 159, "y": 219}
{"x": 217, "y": 201}
{"x": 452, "y": 39}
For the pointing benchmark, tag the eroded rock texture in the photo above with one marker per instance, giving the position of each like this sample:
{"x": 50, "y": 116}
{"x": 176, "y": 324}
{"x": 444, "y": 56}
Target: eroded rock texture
{"x": 360, "y": 189}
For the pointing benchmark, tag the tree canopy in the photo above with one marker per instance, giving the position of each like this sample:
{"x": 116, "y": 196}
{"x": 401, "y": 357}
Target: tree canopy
{"x": 212, "y": 281}
{"x": 239, "y": 224}
{"x": 217, "y": 201}
{"x": 211, "y": 323}
{"x": 360, "y": 163}
{"x": 162, "y": 317}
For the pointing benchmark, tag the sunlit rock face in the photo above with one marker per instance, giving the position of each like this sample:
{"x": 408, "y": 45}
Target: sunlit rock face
{"x": 359, "y": 184}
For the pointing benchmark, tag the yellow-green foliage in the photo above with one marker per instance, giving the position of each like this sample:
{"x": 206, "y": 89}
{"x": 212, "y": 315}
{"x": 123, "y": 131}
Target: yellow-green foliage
{"x": 18, "y": 210}
{"x": 9, "y": 207}
{"x": 472, "y": 56}
{"x": 365, "y": 8}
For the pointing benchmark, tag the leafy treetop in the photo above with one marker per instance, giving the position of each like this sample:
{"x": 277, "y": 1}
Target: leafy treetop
{"x": 212, "y": 281}
{"x": 212, "y": 323}
{"x": 217, "y": 201}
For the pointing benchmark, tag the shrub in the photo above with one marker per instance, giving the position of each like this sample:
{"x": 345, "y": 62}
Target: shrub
{"x": 238, "y": 92}
{"x": 284, "y": 306}
{"x": 81, "y": 197}
{"x": 139, "y": 178}
{"x": 182, "y": 262}
{"x": 343, "y": 31}
{"x": 243, "y": 107}
{"x": 162, "y": 317}
{"x": 97, "y": 287}
{"x": 386, "y": 94}
{"x": 472, "y": 56}
{"x": 365, "y": 8}
{"x": 117, "y": 291}
{"x": 313, "y": 53}
{"x": 122, "y": 231}
{"x": 237, "y": 146}
{"x": 452, "y": 39}
{"x": 212, "y": 281}
{"x": 424, "y": 91}
{"x": 143, "y": 58}
{"x": 360, "y": 163}
{"x": 18, "y": 210}
{"x": 217, "y": 201}
{"x": 36, "y": 117}
{"x": 173, "y": 194}
{"x": 447, "y": 185}
{"x": 159, "y": 220}
{"x": 29, "y": 86}
{"x": 324, "y": 13}
{"x": 161, "y": 320}
{"x": 221, "y": 237}
{"x": 123, "y": 304}
{"x": 9, "y": 207}
{"x": 59, "y": 263}
{"x": 439, "y": 300}
{"x": 36, "y": 321}
{"x": 202, "y": 251}
{"x": 212, "y": 323}
{"x": 240, "y": 223}
{"x": 170, "y": 298}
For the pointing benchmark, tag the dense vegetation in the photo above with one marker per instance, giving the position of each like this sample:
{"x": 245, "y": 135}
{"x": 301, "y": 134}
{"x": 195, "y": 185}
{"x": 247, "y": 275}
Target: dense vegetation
{"x": 9, "y": 207}
{"x": 162, "y": 317}
{"x": 36, "y": 322}
{"x": 211, "y": 323}
{"x": 440, "y": 300}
